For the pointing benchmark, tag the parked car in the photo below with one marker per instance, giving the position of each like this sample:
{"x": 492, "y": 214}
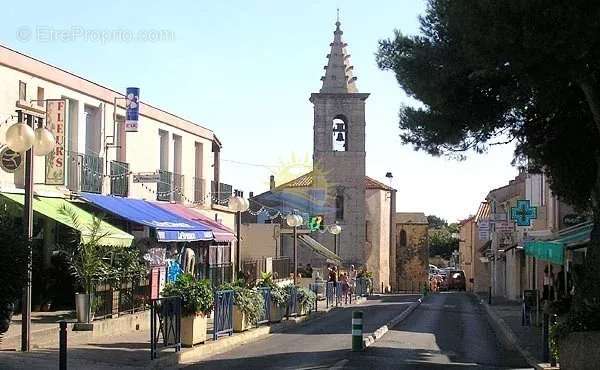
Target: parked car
{"x": 456, "y": 280}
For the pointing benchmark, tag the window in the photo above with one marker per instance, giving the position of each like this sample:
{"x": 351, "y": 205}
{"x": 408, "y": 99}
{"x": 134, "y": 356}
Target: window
{"x": 368, "y": 231}
{"x": 402, "y": 241}
{"x": 339, "y": 207}
{"x": 22, "y": 90}
{"x": 121, "y": 140}
{"x": 164, "y": 150}
{"x": 40, "y": 96}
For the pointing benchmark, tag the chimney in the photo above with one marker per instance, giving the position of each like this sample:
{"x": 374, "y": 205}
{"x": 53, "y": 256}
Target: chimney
{"x": 272, "y": 182}
{"x": 251, "y": 194}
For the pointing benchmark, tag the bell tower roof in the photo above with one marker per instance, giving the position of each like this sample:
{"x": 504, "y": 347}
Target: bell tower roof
{"x": 338, "y": 77}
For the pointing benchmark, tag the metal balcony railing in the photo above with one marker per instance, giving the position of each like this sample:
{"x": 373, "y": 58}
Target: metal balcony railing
{"x": 220, "y": 193}
{"x": 85, "y": 172}
{"x": 119, "y": 178}
{"x": 178, "y": 189}
{"x": 164, "y": 187}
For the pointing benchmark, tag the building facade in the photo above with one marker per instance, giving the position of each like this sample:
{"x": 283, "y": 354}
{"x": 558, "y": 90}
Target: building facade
{"x": 411, "y": 250}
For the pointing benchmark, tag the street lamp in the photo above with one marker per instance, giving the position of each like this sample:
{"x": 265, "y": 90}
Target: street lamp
{"x": 21, "y": 137}
{"x": 335, "y": 230}
{"x": 295, "y": 221}
{"x": 238, "y": 204}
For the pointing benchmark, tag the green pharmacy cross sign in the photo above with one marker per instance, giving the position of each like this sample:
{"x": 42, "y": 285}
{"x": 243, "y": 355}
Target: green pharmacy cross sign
{"x": 523, "y": 213}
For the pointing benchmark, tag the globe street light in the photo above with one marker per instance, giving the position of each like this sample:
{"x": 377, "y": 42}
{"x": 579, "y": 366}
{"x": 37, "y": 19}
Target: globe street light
{"x": 238, "y": 204}
{"x": 335, "y": 229}
{"x": 20, "y": 138}
{"x": 295, "y": 221}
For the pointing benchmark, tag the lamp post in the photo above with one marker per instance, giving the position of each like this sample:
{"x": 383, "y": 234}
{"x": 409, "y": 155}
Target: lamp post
{"x": 335, "y": 230}
{"x": 238, "y": 204}
{"x": 21, "y": 137}
{"x": 295, "y": 221}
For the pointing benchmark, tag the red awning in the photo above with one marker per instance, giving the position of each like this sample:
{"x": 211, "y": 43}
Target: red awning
{"x": 221, "y": 232}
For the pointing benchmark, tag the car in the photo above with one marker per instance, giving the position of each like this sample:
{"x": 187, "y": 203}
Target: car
{"x": 456, "y": 280}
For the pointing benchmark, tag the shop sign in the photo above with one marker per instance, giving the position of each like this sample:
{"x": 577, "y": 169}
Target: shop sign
{"x": 484, "y": 229}
{"x": 132, "y": 106}
{"x": 523, "y": 213}
{"x": 573, "y": 219}
{"x": 146, "y": 177}
{"x": 10, "y": 161}
{"x": 55, "y": 160}
{"x": 504, "y": 226}
{"x": 316, "y": 223}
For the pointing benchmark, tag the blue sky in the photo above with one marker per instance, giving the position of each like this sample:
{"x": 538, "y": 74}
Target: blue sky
{"x": 246, "y": 69}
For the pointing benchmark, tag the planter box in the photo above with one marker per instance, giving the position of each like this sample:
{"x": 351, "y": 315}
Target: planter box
{"x": 277, "y": 313}
{"x": 579, "y": 351}
{"x": 193, "y": 330}
{"x": 240, "y": 323}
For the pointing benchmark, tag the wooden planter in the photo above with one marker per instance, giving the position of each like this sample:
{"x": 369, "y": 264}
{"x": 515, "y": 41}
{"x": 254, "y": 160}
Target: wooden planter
{"x": 277, "y": 312}
{"x": 193, "y": 329}
{"x": 240, "y": 322}
{"x": 579, "y": 351}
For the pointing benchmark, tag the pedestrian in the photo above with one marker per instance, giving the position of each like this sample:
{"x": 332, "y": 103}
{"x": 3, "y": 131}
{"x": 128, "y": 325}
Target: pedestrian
{"x": 345, "y": 286}
{"x": 352, "y": 279}
{"x": 309, "y": 270}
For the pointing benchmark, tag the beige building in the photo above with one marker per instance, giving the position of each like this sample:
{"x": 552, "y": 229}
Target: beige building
{"x": 474, "y": 252}
{"x": 411, "y": 252}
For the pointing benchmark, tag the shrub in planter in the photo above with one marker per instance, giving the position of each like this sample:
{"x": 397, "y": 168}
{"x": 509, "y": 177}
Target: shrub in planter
{"x": 248, "y": 306}
{"x": 14, "y": 249}
{"x": 196, "y": 305}
{"x": 306, "y": 300}
{"x": 279, "y": 297}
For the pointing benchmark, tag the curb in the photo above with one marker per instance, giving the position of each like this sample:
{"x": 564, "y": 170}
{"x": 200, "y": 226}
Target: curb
{"x": 370, "y": 339}
{"x": 509, "y": 338}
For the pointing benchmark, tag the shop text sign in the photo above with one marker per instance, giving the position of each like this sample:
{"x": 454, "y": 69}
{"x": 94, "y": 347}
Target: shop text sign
{"x": 132, "y": 105}
{"x": 55, "y": 161}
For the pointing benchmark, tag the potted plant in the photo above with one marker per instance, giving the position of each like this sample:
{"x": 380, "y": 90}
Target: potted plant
{"x": 196, "y": 305}
{"x": 86, "y": 261}
{"x": 279, "y": 297}
{"x": 248, "y": 305}
{"x": 13, "y": 267}
{"x": 306, "y": 300}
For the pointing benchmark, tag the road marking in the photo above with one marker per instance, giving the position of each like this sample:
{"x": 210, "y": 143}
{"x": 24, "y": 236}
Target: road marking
{"x": 339, "y": 365}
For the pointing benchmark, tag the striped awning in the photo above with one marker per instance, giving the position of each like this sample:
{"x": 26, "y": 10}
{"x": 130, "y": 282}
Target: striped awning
{"x": 483, "y": 213}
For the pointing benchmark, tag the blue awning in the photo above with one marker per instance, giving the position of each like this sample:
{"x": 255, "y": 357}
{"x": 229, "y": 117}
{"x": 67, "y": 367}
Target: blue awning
{"x": 169, "y": 226}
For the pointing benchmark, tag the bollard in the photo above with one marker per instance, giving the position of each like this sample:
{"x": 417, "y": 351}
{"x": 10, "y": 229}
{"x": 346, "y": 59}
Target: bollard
{"x": 490, "y": 295}
{"x": 357, "y": 330}
{"x": 545, "y": 343}
{"x": 62, "y": 346}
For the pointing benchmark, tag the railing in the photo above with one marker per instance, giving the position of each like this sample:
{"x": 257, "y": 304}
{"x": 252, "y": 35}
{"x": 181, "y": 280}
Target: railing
{"x": 165, "y": 322}
{"x": 330, "y": 294}
{"x": 266, "y": 312}
{"x": 178, "y": 189}
{"x": 319, "y": 290}
{"x": 292, "y": 307}
{"x": 217, "y": 274}
{"x": 119, "y": 178}
{"x": 116, "y": 296}
{"x": 223, "y": 317}
{"x": 253, "y": 268}
{"x": 281, "y": 268}
{"x": 164, "y": 188}
{"x": 412, "y": 286}
{"x": 221, "y": 192}
{"x": 199, "y": 190}
{"x": 85, "y": 172}
{"x": 363, "y": 287}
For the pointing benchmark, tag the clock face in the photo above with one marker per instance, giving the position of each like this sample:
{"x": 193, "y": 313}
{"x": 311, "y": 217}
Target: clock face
{"x": 10, "y": 161}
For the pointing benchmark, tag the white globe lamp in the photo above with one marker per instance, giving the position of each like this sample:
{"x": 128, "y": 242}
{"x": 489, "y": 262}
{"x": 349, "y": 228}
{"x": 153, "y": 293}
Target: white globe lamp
{"x": 43, "y": 142}
{"x": 19, "y": 137}
{"x": 335, "y": 229}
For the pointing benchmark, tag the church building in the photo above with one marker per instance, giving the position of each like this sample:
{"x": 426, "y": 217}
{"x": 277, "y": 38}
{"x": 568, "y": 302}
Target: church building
{"x": 337, "y": 190}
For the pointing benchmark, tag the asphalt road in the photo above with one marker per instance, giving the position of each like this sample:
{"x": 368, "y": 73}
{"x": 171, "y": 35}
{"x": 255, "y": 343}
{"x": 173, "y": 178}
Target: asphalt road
{"x": 447, "y": 331}
{"x": 319, "y": 344}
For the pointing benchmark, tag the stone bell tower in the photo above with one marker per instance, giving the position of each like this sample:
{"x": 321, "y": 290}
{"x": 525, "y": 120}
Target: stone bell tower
{"x": 339, "y": 151}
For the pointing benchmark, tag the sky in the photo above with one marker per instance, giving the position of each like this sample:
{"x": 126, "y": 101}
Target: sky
{"x": 245, "y": 69}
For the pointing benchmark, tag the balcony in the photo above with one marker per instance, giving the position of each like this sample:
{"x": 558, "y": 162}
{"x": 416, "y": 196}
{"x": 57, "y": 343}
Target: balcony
{"x": 85, "y": 172}
{"x": 119, "y": 178}
{"x": 178, "y": 189}
{"x": 220, "y": 193}
{"x": 164, "y": 188}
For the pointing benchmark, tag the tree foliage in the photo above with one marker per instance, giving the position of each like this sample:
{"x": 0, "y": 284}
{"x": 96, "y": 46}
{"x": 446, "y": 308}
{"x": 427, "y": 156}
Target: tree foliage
{"x": 442, "y": 237}
{"x": 488, "y": 72}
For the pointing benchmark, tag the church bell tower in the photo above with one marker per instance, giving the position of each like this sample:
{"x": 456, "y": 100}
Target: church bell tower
{"x": 339, "y": 151}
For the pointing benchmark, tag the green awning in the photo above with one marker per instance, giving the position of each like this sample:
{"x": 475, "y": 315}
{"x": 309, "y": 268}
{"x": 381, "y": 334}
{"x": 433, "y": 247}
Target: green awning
{"x": 553, "y": 251}
{"x": 51, "y": 207}
{"x": 319, "y": 248}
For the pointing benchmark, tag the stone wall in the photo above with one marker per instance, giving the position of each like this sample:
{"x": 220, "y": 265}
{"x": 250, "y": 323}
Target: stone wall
{"x": 412, "y": 259}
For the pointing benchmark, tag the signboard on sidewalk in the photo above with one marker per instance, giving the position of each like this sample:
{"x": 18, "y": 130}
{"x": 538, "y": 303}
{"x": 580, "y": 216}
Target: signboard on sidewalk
{"x": 55, "y": 160}
{"x": 132, "y": 106}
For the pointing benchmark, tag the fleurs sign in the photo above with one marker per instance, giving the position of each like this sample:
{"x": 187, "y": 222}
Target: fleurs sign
{"x": 10, "y": 160}
{"x": 523, "y": 213}
{"x": 55, "y": 160}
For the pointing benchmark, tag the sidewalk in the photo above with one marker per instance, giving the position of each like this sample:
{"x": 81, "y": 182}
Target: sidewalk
{"x": 132, "y": 350}
{"x": 505, "y": 317}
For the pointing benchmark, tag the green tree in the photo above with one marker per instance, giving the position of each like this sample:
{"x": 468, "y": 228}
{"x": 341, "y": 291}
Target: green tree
{"x": 436, "y": 222}
{"x": 488, "y": 72}
{"x": 443, "y": 240}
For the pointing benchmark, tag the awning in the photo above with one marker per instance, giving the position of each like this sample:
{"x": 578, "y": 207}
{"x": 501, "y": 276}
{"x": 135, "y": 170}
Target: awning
{"x": 169, "y": 226}
{"x": 220, "y": 232}
{"x": 554, "y": 250}
{"x": 319, "y": 248}
{"x": 54, "y": 209}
